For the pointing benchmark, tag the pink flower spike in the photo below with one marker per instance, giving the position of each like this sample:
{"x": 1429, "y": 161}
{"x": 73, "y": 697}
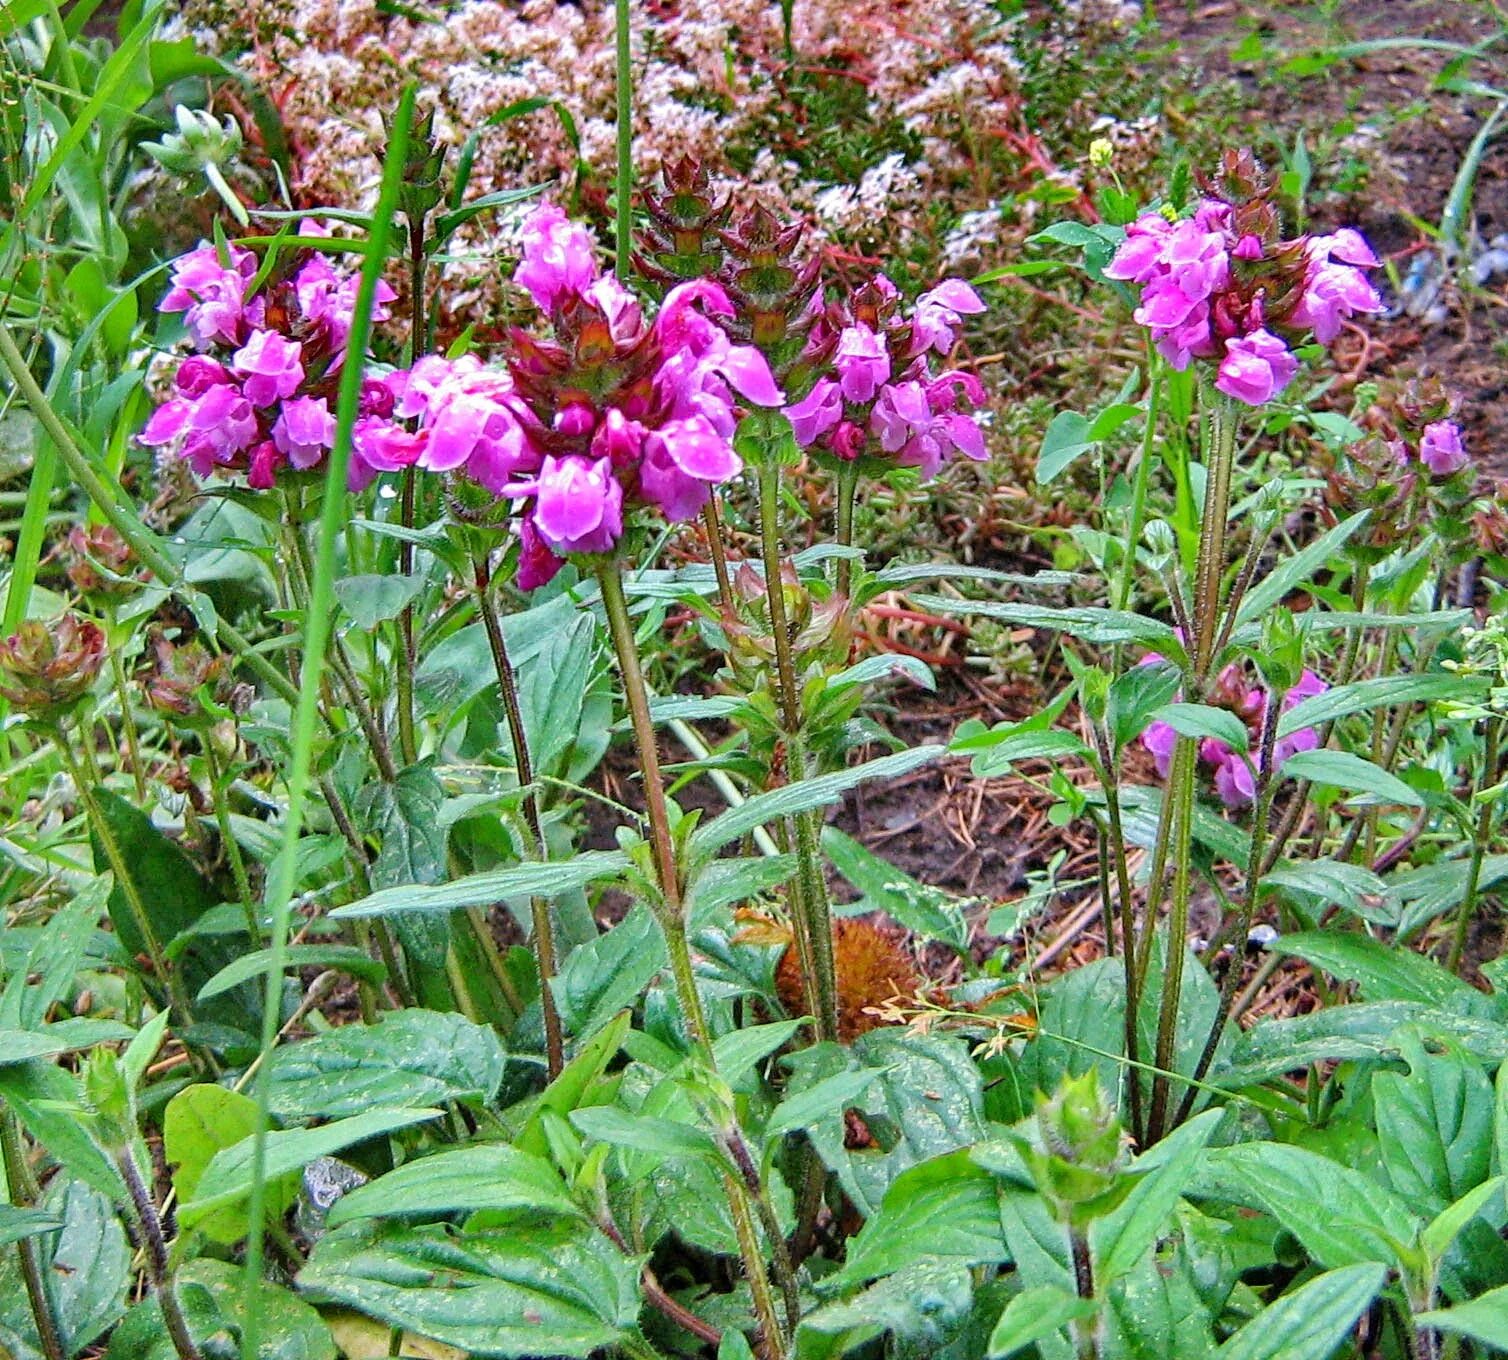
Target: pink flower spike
{"x": 863, "y": 363}
{"x": 557, "y": 262}
{"x": 579, "y": 505}
{"x": 271, "y": 366}
{"x": 1256, "y": 368}
{"x": 816, "y": 413}
{"x": 1159, "y": 740}
{"x": 1441, "y": 448}
{"x": 305, "y": 431}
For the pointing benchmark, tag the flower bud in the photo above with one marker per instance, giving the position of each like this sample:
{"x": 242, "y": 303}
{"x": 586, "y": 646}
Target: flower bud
{"x": 46, "y": 668}
{"x": 99, "y": 562}
{"x": 107, "y": 1091}
{"x": 175, "y": 673}
{"x": 1281, "y": 658}
{"x": 1101, "y": 152}
{"x": 200, "y": 141}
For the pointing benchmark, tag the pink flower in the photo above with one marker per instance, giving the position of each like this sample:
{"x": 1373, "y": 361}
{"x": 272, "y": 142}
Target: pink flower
{"x": 918, "y": 426}
{"x": 211, "y": 294}
{"x": 384, "y": 447}
{"x": 262, "y": 466}
{"x": 1139, "y": 258}
{"x": 305, "y": 431}
{"x": 1234, "y": 780}
{"x": 816, "y": 413}
{"x": 578, "y": 505}
{"x": 939, "y": 313}
{"x": 270, "y": 365}
{"x": 1256, "y": 367}
{"x": 1332, "y": 293}
{"x": 327, "y": 297}
{"x": 197, "y": 374}
{"x": 537, "y": 565}
{"x": 1160, "y": 739}
{"x": 557, "y": 262}
{"x": 863, "y": 363}
{"x": 1441, "y": 448}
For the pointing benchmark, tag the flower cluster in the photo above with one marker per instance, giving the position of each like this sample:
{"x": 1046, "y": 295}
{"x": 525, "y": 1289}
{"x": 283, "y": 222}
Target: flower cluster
{"x": 610, "y": 412}
{"x": 883, "y": 403}
{"x": 258, "y": 395}
{"x": 1235, "y": 773}
{"x": 46, "y": 668}
{"x": 1222, "y": 285}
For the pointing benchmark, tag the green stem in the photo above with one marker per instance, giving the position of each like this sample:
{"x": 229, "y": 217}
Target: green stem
{"x": 1139, "y": 487}
{"x": 812, "y": 915}
{"x": 22, "y": 1190}
{"x": 1179, "y": 803}
{"x": 772, "y": 1339}
{"x": 408, "y": 744}
{"x": 719, "y": 555}
{"x": 620, "y": 626}
{"x": 149, "y": 1224}
{"x": 113, "y": 507}
{"x": 127, "y": 718}
{"x": 1478, "y": 846}
{"x": 544, "y": 929}
{"x": 625, "y": 176}
{"x": 848, "y": 485}
{"x": 220, "y": 795}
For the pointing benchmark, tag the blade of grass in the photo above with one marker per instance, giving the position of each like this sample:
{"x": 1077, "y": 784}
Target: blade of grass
{"x": 317, "y": 629}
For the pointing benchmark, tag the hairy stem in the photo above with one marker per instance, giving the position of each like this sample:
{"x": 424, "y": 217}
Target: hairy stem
{"x": 848, "y": 485}
{"x": 150, "y": 1225}
{"x": 544, "y": 929}
{"x": 22, "y": 1190}
{"x": 1479, "y": 846}
{"x": 220, "y": 796}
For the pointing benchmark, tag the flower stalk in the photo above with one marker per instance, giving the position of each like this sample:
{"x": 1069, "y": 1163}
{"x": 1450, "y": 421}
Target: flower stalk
{"x": 544, "y": 929}
{"x": 22, "y": 1192}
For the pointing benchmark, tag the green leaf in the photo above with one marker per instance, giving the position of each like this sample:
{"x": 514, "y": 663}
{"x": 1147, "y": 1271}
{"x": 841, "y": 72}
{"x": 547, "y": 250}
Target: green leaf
{"x": 1201, "y": 720}
{"x": 573, "y": 1087}
{"x": 1340, "y": 1216}
{"x": 1434, "y": 1122}
{"x": 347, "y": 958}
{"x": 404, "y": 815}
{"x": 1136, "y": 695}
{"x": 925, "y": 1101}
{"x": 1484, "y": 1319}
{"x": 562, "y": 1287}
{"x": 1381, "y": 972}
{"x": 200, "y": 1121}
{"x": 49, "y": 973}
{"x": 887, "y": 666}
{"x": 1292, "y": 571}
{"x": 1342, "y": 769}
{"x": 85, "y": 1269}
{"x": 408, "y": 1058}
{"x": 737, "y": 1052}
{"x": 1105, "y": 627}
{"x": 946, "y": 1207}
{"x": 212, "y": 1295}
{"x": 1069, "y": 434}
{"x": 926, "y": 911}
{"x": 791, "y": 799}
{"x": 553, "y": 687}
{"x": 175, "y": 895}
{"x": 1119, "y": 1240}
{"x": 827, "y": 1099}
{"x": 1035, "y": 1314}
{"x": 1327, "y": 882}
{"x": 661, "y": 1138}
{"x": 16, "y": 1224}
{"x": 459, "y": 667}
{"x": 1311, "y": 1322}
{"x": 49, "y": 1102}
{"x": 922, "y": 1306}
{"x": 1362, "y": 1031}
{"x": 610, "y": 972}
{"x": 483, "y": 1176}
{"x": 1362, "y": 696}
{"x": 480, "y": 890}
{"x": 371, "y": 600}
{"x": 1448, "y": 1224}
{"x": 229, "y": 1171}
{"x": 21, "y": 1046}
